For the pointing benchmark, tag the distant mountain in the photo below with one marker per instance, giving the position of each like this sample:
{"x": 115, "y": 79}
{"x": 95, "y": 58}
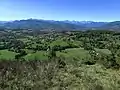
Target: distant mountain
{"x": 88, "y": 24}
{"x": 98, "y": 25}
{"x": 2, "y": 21}
{"x": 112, "y": 26}
{"x": 2, "y": 25}
{"x": 41, "y": 24}
{"x": 36, "y": 24}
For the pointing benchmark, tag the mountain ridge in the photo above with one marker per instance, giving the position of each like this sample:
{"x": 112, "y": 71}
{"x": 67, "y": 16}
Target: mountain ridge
{"x": 40, "y": 24}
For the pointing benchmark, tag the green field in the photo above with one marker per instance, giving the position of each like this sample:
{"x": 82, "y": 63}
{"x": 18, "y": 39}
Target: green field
{"x": 7, "y": 55}
{"x": 24, "y": 40}
{"x": 78, "y": 53}
{"x": 39, "y": 55}
{"x": 59, "y": 42}
{"x": 104, "y": 51}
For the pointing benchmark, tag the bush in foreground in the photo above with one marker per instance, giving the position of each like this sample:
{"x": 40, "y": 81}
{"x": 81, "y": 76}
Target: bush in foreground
{"x": 56, "y": 74}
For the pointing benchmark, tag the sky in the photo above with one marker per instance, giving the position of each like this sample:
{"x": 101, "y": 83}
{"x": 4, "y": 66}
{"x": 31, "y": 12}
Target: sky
{"x": 79, "y": 10}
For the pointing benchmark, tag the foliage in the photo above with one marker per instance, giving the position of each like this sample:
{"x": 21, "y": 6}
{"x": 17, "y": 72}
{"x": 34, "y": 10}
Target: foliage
{"x": 56, "y": 74}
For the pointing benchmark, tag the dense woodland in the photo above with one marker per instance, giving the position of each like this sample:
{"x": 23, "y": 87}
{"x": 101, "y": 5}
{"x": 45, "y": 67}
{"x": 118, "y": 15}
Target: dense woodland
{"x": 64, "y": 60}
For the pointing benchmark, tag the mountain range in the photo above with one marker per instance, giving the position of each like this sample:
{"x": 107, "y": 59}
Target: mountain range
{"x": 36, "y": 24}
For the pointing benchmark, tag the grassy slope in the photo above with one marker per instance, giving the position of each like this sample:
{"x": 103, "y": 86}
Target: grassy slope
{"x": 78, "y": 53}
{"x": 7, "y": 55}
{"x": 59, "y": 42}
{"x": 104, "y": 51}
{"x": 24, "y": 40}
{"x": 40, "y": 55}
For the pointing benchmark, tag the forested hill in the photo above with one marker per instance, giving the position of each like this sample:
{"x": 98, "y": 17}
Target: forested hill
{"x": 36, "y": 24}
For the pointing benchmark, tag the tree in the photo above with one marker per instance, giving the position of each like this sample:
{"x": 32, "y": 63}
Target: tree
{"x": 21, "y": 54}
{"x": 52, "y": 52}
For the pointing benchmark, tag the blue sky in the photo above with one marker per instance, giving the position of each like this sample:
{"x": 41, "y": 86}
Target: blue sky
{"x": 80, "y": 10}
